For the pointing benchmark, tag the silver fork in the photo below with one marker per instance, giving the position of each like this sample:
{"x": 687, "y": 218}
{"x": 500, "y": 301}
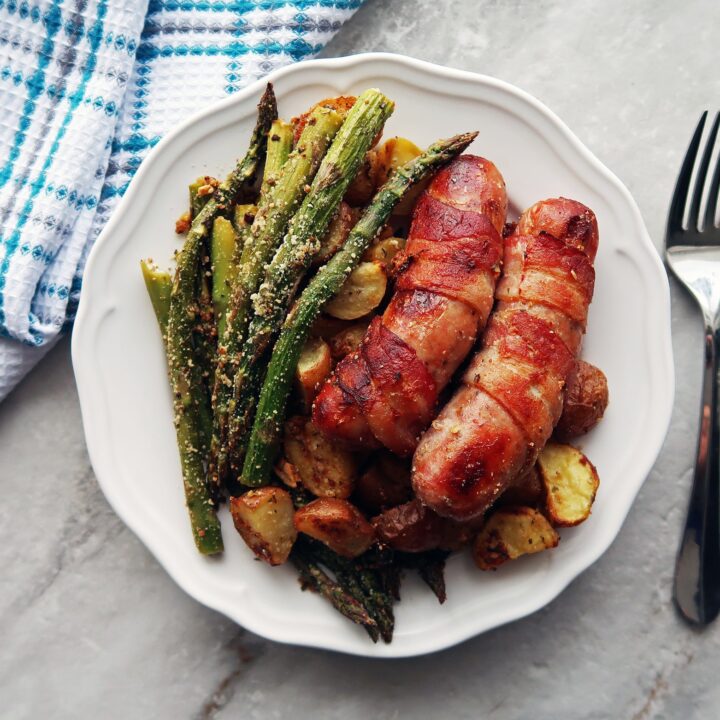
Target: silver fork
{"x": 692, "y": 251}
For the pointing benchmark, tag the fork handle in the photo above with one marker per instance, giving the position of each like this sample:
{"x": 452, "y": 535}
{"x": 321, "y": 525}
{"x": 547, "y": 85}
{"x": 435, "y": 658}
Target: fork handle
{"x": 697, "y": 570}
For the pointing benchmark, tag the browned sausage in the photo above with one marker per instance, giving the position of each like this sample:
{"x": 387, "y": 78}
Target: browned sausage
{"x": 494, "y": 426}
{"x": 386, "y": 392}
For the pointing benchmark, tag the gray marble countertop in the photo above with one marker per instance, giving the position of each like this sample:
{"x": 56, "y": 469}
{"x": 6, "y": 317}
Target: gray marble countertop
{"x": 91, "y": 625}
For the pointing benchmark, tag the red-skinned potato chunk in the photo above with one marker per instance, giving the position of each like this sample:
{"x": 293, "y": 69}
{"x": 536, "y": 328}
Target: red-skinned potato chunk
{"x": 314, "y": 365}
{"x": 391, "y": 155}
{"x": 362, "y": 186}
{"x": 456, "y": 535}
{"x": 411, "y": 527}
{"x": 326, "y": 326}
{"x": 347, "y": 340}
{"x": 264, "y": 518}
{"x": 527, "y": 490}
{"x": 510, "y": 533}
{"x": 326, "y": 469}
{"x": 336, "y": 235}
{"x": 586, "y": 399}
{"x": 385, "y": 251}
{"x": 336, "y": 523}
{"x": 384, "y": 484}
{"x": 362, "y": 291}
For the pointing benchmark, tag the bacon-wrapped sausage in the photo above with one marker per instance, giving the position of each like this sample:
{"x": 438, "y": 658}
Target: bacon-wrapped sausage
{"x": 495, "y": 425}
{"x": 386, "y": 392}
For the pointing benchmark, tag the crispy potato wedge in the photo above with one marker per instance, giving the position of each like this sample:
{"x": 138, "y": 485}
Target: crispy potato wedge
{"x": 384, "y": 484}
{"x": 264, "y": 518}
{"x": 325, "y": 469}
{"x": 337, "y": 233}
{"x": 341, "y": 104}
{"x": 336, "y": 523}
{"x": 510, "y": 533}
{"x": 314, "y": 365}
{"x": 528, "y": 490}
{"x": 383, "y": 251}
{"x": 570, "y": 482}
{"x": 347, "y": 340}
{"x": 361, "y": 293}
{"x": 586, "y": 399}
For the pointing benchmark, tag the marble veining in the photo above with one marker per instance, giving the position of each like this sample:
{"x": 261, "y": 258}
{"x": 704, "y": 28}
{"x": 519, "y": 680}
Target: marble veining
{"x": 92, "y": 627}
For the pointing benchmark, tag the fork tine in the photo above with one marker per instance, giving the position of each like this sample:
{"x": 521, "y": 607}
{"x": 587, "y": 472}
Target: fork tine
{"x": 710, "y": 209}
{"x": 693, "y": 216}
{"x": 677, "y": 206}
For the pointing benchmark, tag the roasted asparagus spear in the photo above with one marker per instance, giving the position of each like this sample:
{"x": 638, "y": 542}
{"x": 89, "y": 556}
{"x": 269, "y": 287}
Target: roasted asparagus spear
{"x": 222, "y": 250}
{"x": 329, "y": 279}
{"x": 159, "y": 286}
{"x": 279, "y": 146}
{"x": 273, "y": 213}
{"x": 302, "y": 241}
{"x": 190, "y": 401}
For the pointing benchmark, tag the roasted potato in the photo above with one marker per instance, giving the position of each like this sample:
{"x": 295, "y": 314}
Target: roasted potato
{"x": 384, "y": 484}
{"x": 336, "y": 523}
{"x": 511, "y": 532}
{"x": 326, "y": 326}
{"x": 264, "y": 518}
{"x": 392, "y": 154}
{"x": 383, "y": 251}
{"x": 528, "y": 490}
{"x": 337, "y": 233}
{"x": 586, "y": 398}
{"x": 341, "y": 104}
{"x": 455, "y": 535}
{"x": 347, "y": 340}
{"x": 314, "y": 365}
{"x": 325, "y": 469}
{"x": 362, "y": 292}
{"x": 570, "y": 482}
{"x": 362, "y": 186}
{"x": 288, "y": 473}
{"x": 411, "y": 527}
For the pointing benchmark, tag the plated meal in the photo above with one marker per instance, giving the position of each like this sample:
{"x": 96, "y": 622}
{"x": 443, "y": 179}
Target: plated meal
{"x": 121, "y": 367}
{"x": 371, "y": 363}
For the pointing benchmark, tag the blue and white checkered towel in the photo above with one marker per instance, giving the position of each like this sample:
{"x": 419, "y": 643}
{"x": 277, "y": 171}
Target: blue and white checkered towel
{"x": 87, "y": 87}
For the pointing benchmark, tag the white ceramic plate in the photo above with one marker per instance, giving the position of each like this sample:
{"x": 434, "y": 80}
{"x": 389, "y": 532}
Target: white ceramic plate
{"x": 120, "y": 365}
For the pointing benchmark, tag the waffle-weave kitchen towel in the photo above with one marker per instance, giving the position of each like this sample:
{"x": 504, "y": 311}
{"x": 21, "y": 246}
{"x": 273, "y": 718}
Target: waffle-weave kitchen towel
{"x": 87, "y": 87}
